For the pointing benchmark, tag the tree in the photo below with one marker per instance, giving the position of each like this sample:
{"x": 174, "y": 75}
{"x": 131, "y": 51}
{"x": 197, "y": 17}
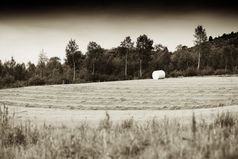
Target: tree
{"x": 93, "y": 54}
{"x": 144, "y": 46}
{"x": 71, "y": 51}
{"x": 227, "y": 56}
{"x": 31, "y": 69}
{"x": 181, "y": 47}
{"x": 205, "y": 54}
{"x": 159, "y": 48}
{"x": 20, "y": 72}
{"x": 8, "y": 68}
{"x": 1, "y": 69}
{"x": 127, "y": 45}
{"x": 182, "y": 58}
{"x": 200, "y": 37}
{"x": 54, "y": 67}
{"x": 42, "y": 62}
{"x": 210, "y": 38}
{"x": 161, "y": 57}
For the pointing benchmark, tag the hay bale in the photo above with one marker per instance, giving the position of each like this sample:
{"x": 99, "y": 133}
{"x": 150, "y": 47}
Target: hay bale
{"x": 159, "y": 74}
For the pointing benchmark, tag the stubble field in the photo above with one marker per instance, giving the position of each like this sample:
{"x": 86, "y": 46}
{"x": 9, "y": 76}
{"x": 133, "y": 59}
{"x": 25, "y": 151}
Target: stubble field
{"x": 142, "y": 99}
{"x": 171, "y": 93}
{"x": 172, "y": 118}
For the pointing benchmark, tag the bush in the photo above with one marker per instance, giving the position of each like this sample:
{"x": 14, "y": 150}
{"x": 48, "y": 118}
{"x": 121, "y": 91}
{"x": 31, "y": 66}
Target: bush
{"x": 36, "y": 80}
{"x": 101, "y": 77}
{"x": 176, "y": 73}
{"x": 220, "y": 72}
{"x": 191, "y": 72}
{"x": 206, "y": 71}
{"x": 8, "y": 79}
{"x": 1, "y": 83}
{"x": 235, "y": 70}
{"x": 57, "y": 80}
{"x": 12, "y": 134}
{"x": 19, "y": 84}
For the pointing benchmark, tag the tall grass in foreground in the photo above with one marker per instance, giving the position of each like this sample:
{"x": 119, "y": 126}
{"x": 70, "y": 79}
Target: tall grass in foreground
{"x": 128, "y": 139}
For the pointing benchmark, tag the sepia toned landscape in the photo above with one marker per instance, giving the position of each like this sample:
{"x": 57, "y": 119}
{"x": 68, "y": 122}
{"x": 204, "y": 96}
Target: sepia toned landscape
{"x": 126, "y": 79}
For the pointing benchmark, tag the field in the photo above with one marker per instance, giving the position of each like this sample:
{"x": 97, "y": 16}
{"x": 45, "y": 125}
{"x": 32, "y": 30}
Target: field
{"x": 123, "y": 99}
{"x": 192, "y": 117}
{"x": 171, "y": 93}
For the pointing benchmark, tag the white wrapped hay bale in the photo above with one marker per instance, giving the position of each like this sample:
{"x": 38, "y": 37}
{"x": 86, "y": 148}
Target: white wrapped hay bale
{"x": 159, "y": 74}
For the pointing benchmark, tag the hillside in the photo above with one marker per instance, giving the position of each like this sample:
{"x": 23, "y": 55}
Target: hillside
{"x": 172, "y": 93}
{"x": 218, "y": 56}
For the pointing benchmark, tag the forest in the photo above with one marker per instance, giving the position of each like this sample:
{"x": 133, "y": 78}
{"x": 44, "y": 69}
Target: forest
{"x": 130, "y": 60}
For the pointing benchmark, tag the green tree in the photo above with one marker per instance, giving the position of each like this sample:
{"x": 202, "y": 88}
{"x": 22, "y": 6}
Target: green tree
{"x": 71, "y": 52}
{"x": 200, "y": 37}
{"x": 144, "y": 46}
{"x": 127, "y": 45}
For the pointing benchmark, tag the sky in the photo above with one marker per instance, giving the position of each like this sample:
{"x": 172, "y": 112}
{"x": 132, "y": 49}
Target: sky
{"x": 26, "y": 30}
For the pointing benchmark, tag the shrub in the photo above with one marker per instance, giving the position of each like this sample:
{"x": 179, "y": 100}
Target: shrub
{"x": 1, "y": 83}
{"x": 8, "y": 79}
{"x": 176, "y": 73}
{"x": 66, "y": 80}
{"x": 19, "y": 84}
{"x": 56, "y": 80}
{"x": 220, "y": 72}
{"x": 190, "y": 72}
{"x": 15, "y": 135}
{"x": 235, "y": 70}
{"x": 36, "y": 80}
{"x": 207, "y": 71}
{"x": 101, "y": 77}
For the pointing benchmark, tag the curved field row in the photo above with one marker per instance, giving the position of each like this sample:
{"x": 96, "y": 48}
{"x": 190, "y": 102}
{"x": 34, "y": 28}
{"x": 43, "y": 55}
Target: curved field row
{"x": 171, "y": 93}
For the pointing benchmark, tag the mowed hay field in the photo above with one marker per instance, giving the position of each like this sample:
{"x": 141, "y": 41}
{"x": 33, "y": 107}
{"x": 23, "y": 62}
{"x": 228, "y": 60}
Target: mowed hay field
{"x": 171, "y": 93}
{"x": 199, "y": 137}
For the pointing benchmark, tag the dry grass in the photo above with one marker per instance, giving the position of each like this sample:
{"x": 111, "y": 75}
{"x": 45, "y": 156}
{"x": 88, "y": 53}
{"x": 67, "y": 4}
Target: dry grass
{"x": 167, "y": 137}
{"x": 128, "y": 139}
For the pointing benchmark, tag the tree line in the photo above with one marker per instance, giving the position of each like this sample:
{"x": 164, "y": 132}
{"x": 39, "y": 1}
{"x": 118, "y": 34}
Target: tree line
{"x": 129, "y": 60}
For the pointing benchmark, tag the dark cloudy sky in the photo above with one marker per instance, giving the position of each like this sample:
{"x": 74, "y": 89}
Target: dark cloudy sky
{"x": 27, "y": 26}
